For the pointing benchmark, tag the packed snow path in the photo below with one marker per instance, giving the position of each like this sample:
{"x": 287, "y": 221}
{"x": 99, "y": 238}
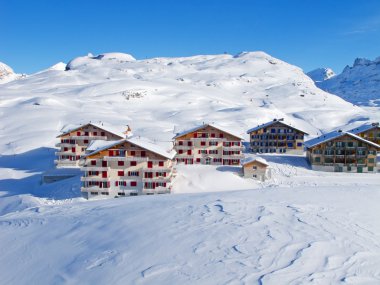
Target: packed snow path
{"x": 265, "y": 236}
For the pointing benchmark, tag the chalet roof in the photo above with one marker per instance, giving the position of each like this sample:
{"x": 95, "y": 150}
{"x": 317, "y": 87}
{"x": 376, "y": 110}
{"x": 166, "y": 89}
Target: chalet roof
{"x": 336, "y": 134}
{"x": 220, "y": 128}
{"x": 268, "y": 124}
{"x": 364, "y": 128}
{"x": 249, "y": 160}
{"x": 98, "y": 146}
{"x": 101, "y": 125}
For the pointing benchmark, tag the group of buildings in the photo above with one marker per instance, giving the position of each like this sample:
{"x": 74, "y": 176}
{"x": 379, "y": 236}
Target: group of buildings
{"x": 116, "y": 164}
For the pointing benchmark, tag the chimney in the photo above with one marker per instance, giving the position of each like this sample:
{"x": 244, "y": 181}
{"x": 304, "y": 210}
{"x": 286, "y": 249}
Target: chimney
{"x": 128, "y": 133}
{"x": 339, "y": 131}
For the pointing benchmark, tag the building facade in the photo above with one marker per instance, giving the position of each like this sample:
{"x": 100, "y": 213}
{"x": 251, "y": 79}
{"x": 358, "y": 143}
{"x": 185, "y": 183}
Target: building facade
{"x": 208, "y": 144}
{"x": 276, "y": 137}
{"x": 370, "y": 132}
{"x": 73, "y": 143}
{"x": 126, "y": 168}
{"x": 340, "y": 151}
{"x": 256, "y": 169}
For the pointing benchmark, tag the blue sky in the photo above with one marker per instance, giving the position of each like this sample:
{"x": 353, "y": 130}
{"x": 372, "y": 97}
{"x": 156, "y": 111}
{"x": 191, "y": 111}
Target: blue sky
{"x": 37, "y": 34}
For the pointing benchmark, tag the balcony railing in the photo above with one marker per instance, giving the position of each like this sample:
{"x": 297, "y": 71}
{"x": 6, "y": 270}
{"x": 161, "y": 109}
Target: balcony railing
{"x": 157, "y": 190}
{"x": 94, "y": 178}
{"x": 236, "y": 156}
{"x": 158, "y": 169}
{"x": 158, "y": 179}
{"x": 233, "y": 147}
{"x": 88, "y": 137}
{"x": 68, "y": 152}
{"x": 95, "y": 168}
{"x": 126, "y": 158}
{"x": 94, "y": 188}
{"x": 183, "y": 146}
{"x": 63, "y": 144}
{"x": 66, "y": 162}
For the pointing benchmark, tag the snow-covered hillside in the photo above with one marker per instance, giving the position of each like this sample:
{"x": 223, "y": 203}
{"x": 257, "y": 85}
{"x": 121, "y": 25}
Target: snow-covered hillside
{"x": 359, "y": 84}
{"x": 161, "y": 96}
{"x": 7, "y": 74}
{"x": 321, "y": 74}
{"x": 301, "y": 226}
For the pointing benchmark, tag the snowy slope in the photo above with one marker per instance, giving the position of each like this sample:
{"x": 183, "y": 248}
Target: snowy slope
{"x": 161, "y": 96}
{"x": 275, "y": 235}
{"x": 301, "y": 226}
{"x": 321, "y": 74}
{"x": 359, "y": 83}
{"x": 7, "y": 74}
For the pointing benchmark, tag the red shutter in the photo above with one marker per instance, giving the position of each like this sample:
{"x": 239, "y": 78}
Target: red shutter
{"x": 120, "y": 173}
{"x": 180, "y": 151}
{"x": 150, "y": 164}
{"x": 104, "y": 174}
{"x": 195, "y": 135}
{"x": 143, "y": 154}
{"x": 111, "y": 152}
{"x": 189, "y": 152}
{"x": 164, "y": 174}
{"x": 78, "y": 133}
{"x": 120, "y": 163}
{"x": 160, "y": 163}
{"x": 73, "y": 149}
{"x": 116, "y": 183}
{"x": 133, "y": 163}
{"x": 93, "y": 162}
{"x": 104, "y": 163}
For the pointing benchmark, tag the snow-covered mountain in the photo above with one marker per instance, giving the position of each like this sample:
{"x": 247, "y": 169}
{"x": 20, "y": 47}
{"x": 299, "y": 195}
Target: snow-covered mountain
{"x": 160, "y": 96}
{"x": 291, "y": 229}
{"x": 321, "y": 74}
{"x": 7, "y": 74}
{"x": 359, "y": 83}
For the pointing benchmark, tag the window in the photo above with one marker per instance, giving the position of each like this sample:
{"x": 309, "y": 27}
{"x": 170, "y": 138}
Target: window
{"x": 317, "y": 159}
{"x": 299, "y": 144}
{"x": 120, "y": 163}
{"x": 371, "y": 160}
{"x": 110, "y": 153}
{"x": 161, "y": 164}
{"x": 85, "y": 141}
{"x": 78, "y": 133}
{"x": 120, "y": 173}
{"x": 273, "y": 131}
{"x": 254, "y": 167}
{"x": 133, "y": 173}
{"x": 221, "y": 136}
{"x": 370, "y": 168}
{"x": 133, "y": 163}
{"x": 198, "y": 160}
{"x": 189, "y": 143}
{"x": 143, "y": 153}
{"x": 133, "y": 183}
{"x": 203, "y": 143}
{"x": 189, "y": 152}
{"x": 213, "y": 151}
{"x": 213, "y": 135}
{"x": 86, "y": 133}
{"x": 73, "y": 149}
{"x": 180, "y": 143}
{"x": 180, "y": 151}
{"x": 213, "y": 143}
{"x": 95, "y": 133}
{"x": 105, "y": 193}
{"x": 103, "y": 134}
{"x": 150, "y": 164}
{"x": 133, "y": 153}
{"x": 93, "y": 162}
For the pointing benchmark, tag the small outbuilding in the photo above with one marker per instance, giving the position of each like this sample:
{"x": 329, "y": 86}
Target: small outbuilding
{"x": 256, "y": 168}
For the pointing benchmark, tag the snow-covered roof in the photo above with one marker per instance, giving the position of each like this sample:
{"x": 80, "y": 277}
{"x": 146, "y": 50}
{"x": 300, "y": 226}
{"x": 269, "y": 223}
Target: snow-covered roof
{"x": 333, "y": 135}
{"x": 98, "y": 144}
{"x": 101, "y": 125}
{"x": 268, "y": 124}
{"x": 364, "y": 128}
{"x": 141, "y": 142}
{"x": 249, "y": 160}
{"x": 220, "y": 128}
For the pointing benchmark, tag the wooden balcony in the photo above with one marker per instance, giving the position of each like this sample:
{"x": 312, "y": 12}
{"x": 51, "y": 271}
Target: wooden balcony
{"x": 95, "y": 168}
{"x": 126, "y": 158}
{"x": 94, "y": 178}
{"x": 88, "y": 137}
